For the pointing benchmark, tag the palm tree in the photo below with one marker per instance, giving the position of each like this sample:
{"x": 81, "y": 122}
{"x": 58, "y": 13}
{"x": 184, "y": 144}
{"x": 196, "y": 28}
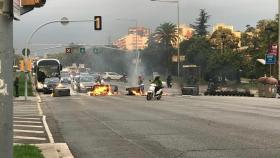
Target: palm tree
{"x": 166, "y": 35}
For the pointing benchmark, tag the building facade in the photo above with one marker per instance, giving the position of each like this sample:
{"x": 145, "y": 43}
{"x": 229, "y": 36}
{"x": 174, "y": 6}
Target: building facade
{"x": 136, "y": 39}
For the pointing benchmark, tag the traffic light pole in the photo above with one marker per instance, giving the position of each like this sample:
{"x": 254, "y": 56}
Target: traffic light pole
{"x": 6, "y": 81}
{"x": 28, "y": 41}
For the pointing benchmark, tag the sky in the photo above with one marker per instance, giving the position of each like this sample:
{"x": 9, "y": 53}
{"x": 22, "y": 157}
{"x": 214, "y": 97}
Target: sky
{"x": 149, "y": 14}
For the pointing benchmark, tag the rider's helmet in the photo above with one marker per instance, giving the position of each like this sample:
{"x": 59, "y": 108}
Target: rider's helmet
{"x": 157, "y": 77}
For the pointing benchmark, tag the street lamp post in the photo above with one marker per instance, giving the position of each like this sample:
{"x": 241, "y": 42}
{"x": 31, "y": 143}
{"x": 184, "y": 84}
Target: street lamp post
{"x": 178, "y": 30}
{"x": 28, "y": 41}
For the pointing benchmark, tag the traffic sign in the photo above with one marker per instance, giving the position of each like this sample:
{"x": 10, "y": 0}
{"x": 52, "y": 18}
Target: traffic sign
{"x": 273, "y": 50}
{"x": 270, "y": 59}
{"x": 23, "y": 51}
{"x": 68, "y": 50}
{"x": 82, "y": 50}
{"x": 95, "y": 50}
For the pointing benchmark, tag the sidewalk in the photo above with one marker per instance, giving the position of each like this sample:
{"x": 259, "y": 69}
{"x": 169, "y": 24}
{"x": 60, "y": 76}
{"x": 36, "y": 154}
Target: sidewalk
{"x": 58, "y": 150}
{"x": 31, "y": 119}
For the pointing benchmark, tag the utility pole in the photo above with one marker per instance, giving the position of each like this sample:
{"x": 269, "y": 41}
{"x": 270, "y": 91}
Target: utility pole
{"x": 279, "y": 40}
{"x": 6, "y": 80}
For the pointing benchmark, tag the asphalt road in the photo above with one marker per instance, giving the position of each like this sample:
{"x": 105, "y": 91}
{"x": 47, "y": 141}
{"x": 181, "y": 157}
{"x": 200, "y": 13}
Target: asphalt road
{"x": 175, "y": 127}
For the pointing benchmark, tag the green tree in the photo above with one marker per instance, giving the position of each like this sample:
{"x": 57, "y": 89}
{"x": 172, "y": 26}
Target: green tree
{"x": 225, "y": 66}
{"x": 224, "y": 39}
{"x": 200, "y": 25}
{"x": 197, "y": 51}
{"x": 166, "y": 35}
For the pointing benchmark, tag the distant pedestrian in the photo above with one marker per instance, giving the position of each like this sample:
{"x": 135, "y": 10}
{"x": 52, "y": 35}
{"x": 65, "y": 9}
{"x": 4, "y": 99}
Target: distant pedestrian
{"x": 16, "y": 85}
{"x": 141, "y": 84}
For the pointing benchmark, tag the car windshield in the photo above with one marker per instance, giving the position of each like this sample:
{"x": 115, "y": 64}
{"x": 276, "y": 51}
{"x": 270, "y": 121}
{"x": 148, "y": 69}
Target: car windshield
{"x": 51, "y": 80}
{"x": 87, "y": 79}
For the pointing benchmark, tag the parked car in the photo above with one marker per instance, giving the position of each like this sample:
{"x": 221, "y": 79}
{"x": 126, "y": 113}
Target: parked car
{"x": 111, "y": 76}
{"x": 50, "y": 84}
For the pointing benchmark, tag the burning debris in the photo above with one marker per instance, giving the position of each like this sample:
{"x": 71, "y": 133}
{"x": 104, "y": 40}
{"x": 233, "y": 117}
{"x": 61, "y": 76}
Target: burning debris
{"x": 136, "y": 91}
{"x": 103, "y": 90}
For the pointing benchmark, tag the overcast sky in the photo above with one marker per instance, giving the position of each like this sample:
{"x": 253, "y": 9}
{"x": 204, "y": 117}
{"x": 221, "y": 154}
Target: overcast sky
{"x": 238, "y": 13}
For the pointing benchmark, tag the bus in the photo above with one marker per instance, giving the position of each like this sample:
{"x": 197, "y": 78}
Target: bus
{"x": 45, "y": 68}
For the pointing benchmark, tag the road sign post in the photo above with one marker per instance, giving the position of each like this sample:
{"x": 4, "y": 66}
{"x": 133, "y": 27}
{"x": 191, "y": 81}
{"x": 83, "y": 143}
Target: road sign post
{"x": 270, "y": 59}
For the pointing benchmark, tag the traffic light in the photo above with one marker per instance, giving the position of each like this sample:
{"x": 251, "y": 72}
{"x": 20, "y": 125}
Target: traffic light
{"x": 97, "y": 23}
{"x": 33, "y": 3}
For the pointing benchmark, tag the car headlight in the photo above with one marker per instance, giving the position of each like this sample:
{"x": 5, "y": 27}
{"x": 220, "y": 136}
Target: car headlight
{"x": 82, "y": 86}
{"x": 40, "y": 85}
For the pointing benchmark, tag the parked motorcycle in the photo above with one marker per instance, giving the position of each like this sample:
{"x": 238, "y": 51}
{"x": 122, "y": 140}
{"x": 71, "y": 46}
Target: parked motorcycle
{"x": 151, "y": 94}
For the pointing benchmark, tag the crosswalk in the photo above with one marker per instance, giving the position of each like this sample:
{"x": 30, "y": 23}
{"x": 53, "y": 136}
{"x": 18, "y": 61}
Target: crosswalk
{"x": 28, "y": 123}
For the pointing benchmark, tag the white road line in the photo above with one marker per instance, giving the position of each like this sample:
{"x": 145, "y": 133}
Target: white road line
{"x": 48, "y": 130}
{"x": 39, "y": 107}
{"x": 27, "y": 122}
{"x": 29, "y": 138}
{"x": 27, "y": 118}
{"x": 25, "y": 107}
{"x": 26, "y": 115}
{"x": 28, "y": 131}
{"x": 33, "y": 126}
{"x": 26, "y": 111}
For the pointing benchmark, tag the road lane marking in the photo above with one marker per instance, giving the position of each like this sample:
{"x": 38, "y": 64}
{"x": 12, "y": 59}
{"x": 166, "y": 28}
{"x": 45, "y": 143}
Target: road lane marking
{"x": 33, "y": 126}
{"x": 39, "y": 107}
{"x": 29, "y": 138}
{"x": 28, "y": 122}
{"x": 24, "y": 110}
{"x": 48, "y": 130}
{"x": 27, "y": 118}
{"x": 28, "y": 131}
{"x": 26, "y": 115}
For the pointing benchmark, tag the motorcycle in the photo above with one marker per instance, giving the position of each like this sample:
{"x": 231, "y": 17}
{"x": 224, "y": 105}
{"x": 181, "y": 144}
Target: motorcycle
{"x": 124, "y": 78}
{"x": 151, "y": 94}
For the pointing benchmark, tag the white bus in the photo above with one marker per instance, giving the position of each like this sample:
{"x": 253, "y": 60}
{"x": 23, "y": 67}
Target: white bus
{"x": 45, "y": 68}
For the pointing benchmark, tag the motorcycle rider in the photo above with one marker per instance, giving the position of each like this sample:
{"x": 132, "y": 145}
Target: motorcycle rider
{"x": 158, "y": 83}
{"x": 169, "y": 81}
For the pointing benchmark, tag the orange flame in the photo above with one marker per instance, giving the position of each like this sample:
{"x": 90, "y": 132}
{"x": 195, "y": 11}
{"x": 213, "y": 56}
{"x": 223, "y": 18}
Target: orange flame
{"x": 102, "y": 90}
{"x": 136, "y": 93}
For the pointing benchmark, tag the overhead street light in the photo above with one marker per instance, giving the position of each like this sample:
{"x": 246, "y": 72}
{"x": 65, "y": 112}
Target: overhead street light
{"x": 178, "y": 28}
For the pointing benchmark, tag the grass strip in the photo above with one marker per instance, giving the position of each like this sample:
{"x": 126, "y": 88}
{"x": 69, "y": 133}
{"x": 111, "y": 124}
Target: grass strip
{"x": 27, "y": 151}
